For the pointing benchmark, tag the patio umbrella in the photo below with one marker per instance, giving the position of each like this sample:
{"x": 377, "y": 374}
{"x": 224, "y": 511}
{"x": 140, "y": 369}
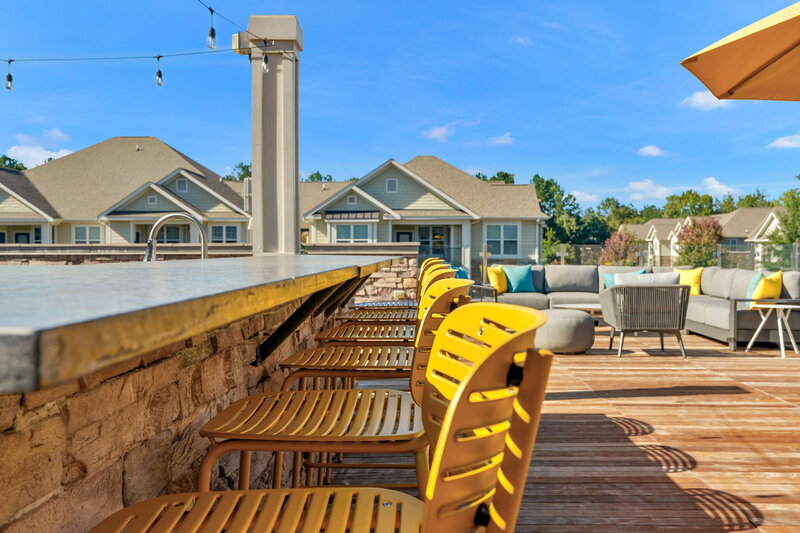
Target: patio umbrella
{"x": 759, "y": 62}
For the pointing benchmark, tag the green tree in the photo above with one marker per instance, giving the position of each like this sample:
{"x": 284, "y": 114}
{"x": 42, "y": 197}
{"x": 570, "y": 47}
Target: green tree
{"x": 726, "y": 204}
{"x": 616, "y": 213}
{"x": 697, "y": 242}
{"x": 649, "y": 212}
{"x": 564, "y": 213}
{"x": 789, "y": 218}
{"x": 498, "y": 176}
{"x": 11, "y": 164}
{"x": 239, "y": 173}
{"x": 689, "y": 203}
{"x": 318, "y": 176}
{"x": 755, "y": 199}
{"x": 620, "y": 249}
{"x": 593, "y": 228}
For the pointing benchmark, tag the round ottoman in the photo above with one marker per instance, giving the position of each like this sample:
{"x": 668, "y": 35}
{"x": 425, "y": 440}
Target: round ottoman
{"x": 566, "y": 331}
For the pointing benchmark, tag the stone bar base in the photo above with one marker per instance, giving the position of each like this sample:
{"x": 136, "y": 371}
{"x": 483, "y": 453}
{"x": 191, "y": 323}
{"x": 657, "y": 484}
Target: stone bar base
{"x": 72, "y": 454}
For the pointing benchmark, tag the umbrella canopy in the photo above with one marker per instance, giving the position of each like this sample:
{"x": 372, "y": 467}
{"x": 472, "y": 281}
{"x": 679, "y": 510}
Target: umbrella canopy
{"x": 759, "y": 62}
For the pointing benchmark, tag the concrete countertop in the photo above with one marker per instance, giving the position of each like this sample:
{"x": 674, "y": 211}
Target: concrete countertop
{"x": 59, "y": 322}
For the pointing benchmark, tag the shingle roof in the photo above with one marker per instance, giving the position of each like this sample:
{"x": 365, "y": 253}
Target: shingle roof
{"x": 639, "y": 231}
{"x": 743, "y": 222}
{"x": 313, "y": 193}
{"x": 22, "y": 186}
{"x": 484, "y": 198}
{"x": 85, "y": 183}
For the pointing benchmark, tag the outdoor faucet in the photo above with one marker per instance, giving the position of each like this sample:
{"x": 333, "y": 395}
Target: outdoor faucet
{"x": 150, "y": 251}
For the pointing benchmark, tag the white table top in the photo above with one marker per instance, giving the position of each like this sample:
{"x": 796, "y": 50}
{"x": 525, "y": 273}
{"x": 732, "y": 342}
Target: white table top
{"x": 775, "y": 306}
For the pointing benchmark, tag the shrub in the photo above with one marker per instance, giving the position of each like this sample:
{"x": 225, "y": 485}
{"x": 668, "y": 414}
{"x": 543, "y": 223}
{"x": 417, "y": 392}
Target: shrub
{"x": 620, "y": 249}
{"x": 697, "y": 242}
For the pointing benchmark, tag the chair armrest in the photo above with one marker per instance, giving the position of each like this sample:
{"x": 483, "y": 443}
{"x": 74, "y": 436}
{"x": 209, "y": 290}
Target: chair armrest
{"x": 484, "y": 291}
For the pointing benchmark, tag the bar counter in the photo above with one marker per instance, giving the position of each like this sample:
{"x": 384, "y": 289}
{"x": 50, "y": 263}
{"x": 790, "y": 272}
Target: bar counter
{"x": 61, "y": 322}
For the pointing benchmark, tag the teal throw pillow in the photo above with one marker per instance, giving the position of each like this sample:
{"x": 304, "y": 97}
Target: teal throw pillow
{"x": 608, "y": 277}
{"x": 753, "y": 284}
{"x": 461, "y": 273}
{"x": 519, "y": 278}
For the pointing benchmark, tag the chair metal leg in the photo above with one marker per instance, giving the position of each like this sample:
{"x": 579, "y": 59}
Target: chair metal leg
{"x": 611, "y": 338}
{"x": 244, "y": 469}
{"x": 422, "y": 469}
{"x": 277, "y": 470}
{"x": 661, "y": 336}
{"x": 680, "y": 343}
{"x": 621, "y": 342}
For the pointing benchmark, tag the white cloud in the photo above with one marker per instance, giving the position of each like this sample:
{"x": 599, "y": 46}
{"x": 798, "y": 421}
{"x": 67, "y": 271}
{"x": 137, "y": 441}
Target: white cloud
{"x": 442, "y": 133}
{"x": 505, "y": 138}
{"x": 33, "y": 155}
{"x": 55, "y": 135}
{"x": 717, "y": 188}
{"x": 651, "y": 150}
{"x": 582, "y": 196}
{"x": 36, "y": 119}
{"x": 553, "y": 25}
{"x": 520, "y": 40}
{"x": 789, "y": 141}
{"x": 647, "y": 189}
{"x": 704, "y": 100}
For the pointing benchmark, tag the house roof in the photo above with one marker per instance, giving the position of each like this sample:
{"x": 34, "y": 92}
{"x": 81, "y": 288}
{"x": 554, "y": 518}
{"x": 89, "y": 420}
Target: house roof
{"x": 639, "y": 231}
{"x": 313, "y": 193}
{"x": 432, "y": 213}
{"x": 21, "y": 187}
{"x": 72, "y": 183}
{"x": 744, "y": 222}
{"x": 663, "y": 226}
{"x": 486, "y": 199}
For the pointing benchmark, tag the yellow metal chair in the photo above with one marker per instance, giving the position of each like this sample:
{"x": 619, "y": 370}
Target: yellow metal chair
{"x": 334, "y": 360}
{"x": 402, "y": 304}
{"x": 381, "y": 333}
{"x": 482, "y": 412}
{"x": 332, "y": 420}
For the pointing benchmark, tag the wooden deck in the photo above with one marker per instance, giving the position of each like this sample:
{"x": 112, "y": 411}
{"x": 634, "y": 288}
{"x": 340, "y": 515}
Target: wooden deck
{"x": 653, "y": 442}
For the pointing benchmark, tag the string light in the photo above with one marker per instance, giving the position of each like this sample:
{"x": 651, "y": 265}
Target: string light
{"x": 264, "y": 64}
{"x": 159, "y": 76}
{"x": 212, "y": 33}
{"x": 9, "y": 77}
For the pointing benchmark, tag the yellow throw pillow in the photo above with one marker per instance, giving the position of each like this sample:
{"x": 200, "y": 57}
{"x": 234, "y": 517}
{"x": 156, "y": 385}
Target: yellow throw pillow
{"x": 769, "y": 287}
{"x": 692, "y": 279}
{"x": 497, "y": 279}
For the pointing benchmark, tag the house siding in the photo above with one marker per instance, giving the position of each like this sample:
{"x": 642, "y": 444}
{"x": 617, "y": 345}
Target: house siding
{"x": 360, "y": 205}
{"x": 9, "y": 204}
{"x": 120, "y": 232}
{"x": 410, "y": 194}
{"x": 198, "y": 197}
{"x": 140, "y": 204}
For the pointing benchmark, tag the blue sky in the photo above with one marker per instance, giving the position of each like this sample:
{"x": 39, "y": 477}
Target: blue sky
{"x": 589, "y": 93}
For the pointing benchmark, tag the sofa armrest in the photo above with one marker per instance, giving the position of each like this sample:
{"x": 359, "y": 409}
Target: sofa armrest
{"x": 484, "y": 291}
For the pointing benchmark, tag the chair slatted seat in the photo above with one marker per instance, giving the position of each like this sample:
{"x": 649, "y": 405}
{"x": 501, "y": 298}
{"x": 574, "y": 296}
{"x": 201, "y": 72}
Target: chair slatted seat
{"x": 386, "y": 304}
{"x": 339, "y": 357}
{"x": 481, "y": 414}
{"x": 379, "y": 315}
{"x": 383, "y": 334}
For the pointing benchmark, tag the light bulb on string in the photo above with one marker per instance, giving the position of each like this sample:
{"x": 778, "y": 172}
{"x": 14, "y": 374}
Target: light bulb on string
{"x": 9, "y": 77}
{"x": 264, "y": 64}
{"x": 211, "y": 41}
{"x": 159, "y": 76}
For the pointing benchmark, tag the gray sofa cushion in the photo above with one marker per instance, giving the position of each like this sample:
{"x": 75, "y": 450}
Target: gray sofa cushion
{"x": 559, "y": 298}
{"x": 791, "y": 285}
{"x": 536, "y": 300}
{"x": 537, "y": 272}
{"x": 741, "y": 281}
{"x": 610, "y": 269}
{"x": 664, "y": 278}
{"x": 566, "y": 331}
{"x": 717, "y": 281}
{"x": 696, "y": 309}
{"x": 570, "y": 278}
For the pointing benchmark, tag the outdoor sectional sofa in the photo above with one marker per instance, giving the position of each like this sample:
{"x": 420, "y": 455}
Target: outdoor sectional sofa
{"x": 720, "y": 312}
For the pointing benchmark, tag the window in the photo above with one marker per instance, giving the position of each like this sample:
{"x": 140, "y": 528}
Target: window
{"x": 182, "y": 185}
{"x": 351, "y": 232}
{"x": 391, "y": 184}
{"x": 351, "y": 199}
{"x": 37, "y": 235}
{"x": 152, "y": 200}
{"x": 169, "y": 234}
{"x": 432, "y": 240}
{"x": 22, "y": 238}
{"x": 502, "y": 239}
{"x": 224, "y": 233}
{"x": 2, "y": 237}
{"x": 87, "y": 234}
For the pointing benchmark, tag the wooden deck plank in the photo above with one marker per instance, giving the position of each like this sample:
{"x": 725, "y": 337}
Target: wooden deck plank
{"x": 652, "y": 442}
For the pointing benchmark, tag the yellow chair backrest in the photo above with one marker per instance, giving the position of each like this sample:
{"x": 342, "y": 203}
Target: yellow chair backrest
{"x": 423, "y": 271}
{"x": 435, "y": 273}
{"x": 430, "y": 261}
{"x": 481, "y": 412}
{"x": 441, "y": 298}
